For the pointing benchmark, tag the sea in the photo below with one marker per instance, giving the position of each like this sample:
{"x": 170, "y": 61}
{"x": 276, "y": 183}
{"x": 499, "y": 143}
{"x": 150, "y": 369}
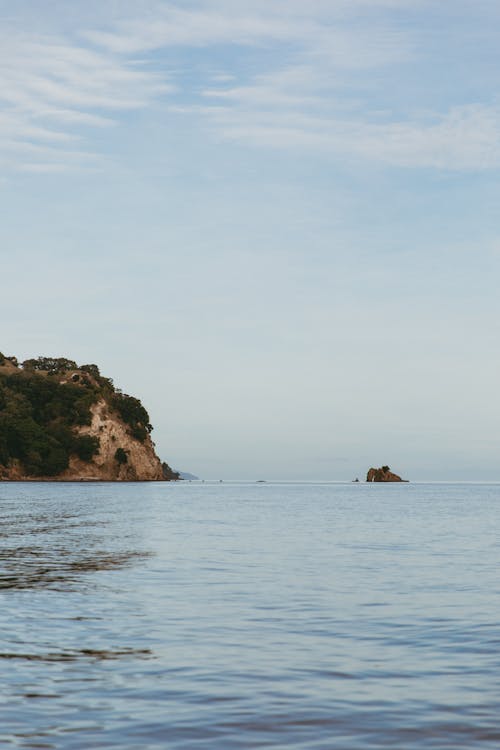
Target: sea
{"x": 227, "y": 615}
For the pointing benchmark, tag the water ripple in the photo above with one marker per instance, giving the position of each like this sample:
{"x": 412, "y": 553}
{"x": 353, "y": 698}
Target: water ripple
{"x": 297, "y": 617}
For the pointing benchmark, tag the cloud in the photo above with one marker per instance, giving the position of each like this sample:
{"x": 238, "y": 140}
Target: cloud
{"x": 318, "y": 99}
{"x": 51, "y": 89}
{"x": 315, "y": 26}
{"x": 465, "y": 138}
{"x": 315, "y": 86}
{"x": 285, "y": 117}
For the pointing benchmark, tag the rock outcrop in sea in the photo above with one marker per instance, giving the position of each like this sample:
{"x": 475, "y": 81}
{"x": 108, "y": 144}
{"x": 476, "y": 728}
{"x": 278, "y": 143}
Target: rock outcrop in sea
{"x": 60, "y": 421}
{"x": 384, "y": 474}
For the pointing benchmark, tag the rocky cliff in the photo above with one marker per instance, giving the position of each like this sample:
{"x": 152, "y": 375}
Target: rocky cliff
{"x": 384, "y": 474}
{"x": 140, "y": 461}
{"x": 64, "y": 422}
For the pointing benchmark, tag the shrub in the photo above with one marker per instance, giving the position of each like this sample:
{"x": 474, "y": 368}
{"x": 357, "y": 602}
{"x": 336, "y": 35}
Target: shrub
{"x": 50, "y": 364}
{"x": 91, "y": 370}
{"x": 121, "y": 456}
{"x": 86, "y": 446}
{"x": 133, "y": 413}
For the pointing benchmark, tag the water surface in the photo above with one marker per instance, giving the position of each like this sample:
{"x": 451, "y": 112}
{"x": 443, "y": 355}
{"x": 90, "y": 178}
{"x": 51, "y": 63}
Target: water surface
{"x": 297, "y": 616}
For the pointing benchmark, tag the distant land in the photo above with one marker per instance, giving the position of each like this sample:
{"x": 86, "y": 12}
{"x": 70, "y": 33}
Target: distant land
{"x": 187, "y": 476}
{"x": 384, "y": 474}
{"x": 60, "y": 421}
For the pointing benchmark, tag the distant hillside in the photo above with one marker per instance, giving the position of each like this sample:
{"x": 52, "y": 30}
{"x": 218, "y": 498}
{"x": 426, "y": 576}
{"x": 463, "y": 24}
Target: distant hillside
{"x": 63, "y": 421}
{"x": 187, "y": 476}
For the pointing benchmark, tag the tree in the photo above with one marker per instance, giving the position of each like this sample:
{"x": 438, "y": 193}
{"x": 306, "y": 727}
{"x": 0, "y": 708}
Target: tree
{"x": 121, "y": 456}
{"x": 133, "y": 413}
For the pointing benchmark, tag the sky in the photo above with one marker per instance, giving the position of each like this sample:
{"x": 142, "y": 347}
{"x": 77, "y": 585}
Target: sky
{"x": 275, "y": 222}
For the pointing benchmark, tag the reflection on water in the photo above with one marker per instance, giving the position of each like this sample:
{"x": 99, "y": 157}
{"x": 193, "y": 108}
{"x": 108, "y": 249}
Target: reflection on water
{"x": 84, "y": 653}
{"x": 35, "y": 567}
{"x": 305, "y": 617}
{"x": 67, "y": 546}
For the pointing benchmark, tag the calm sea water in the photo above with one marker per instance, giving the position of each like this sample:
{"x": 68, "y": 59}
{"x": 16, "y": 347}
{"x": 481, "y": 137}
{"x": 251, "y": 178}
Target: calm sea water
{"x": 311, "y": 616}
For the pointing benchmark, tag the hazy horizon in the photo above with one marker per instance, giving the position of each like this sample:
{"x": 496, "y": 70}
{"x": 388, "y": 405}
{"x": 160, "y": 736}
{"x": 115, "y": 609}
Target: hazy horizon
{"x": 273, "y": 222}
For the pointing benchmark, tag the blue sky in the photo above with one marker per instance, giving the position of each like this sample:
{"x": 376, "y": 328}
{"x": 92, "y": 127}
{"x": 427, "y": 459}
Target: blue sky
{"x": 275, "y": 222}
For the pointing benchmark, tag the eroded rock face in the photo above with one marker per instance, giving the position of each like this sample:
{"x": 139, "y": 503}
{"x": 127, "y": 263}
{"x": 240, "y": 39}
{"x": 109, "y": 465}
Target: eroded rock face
{"x": 384, "y": 474}
{"x": 139, "y": 463}
{"x": 64, "y": 422}
{"x": 142, "y": 463}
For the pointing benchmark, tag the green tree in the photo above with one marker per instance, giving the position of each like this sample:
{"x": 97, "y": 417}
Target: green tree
{"x": 121, "y": 456}
{"x": 133, "y": 413}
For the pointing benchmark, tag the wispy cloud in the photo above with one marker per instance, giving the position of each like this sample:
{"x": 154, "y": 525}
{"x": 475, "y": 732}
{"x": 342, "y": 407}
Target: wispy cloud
{"x": 294, "y": 109}
{"x": 51, "y": 89}
{"x": 317, "y": 98}
{"x": 314, "y": 88}
{"x": 314, "y": 27}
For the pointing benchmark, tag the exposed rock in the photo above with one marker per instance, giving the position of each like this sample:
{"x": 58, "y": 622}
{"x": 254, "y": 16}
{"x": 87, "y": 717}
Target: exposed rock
{"x": 384, "y": 474}
{"x": 61, "y": 422}
{"x": 142, "y": 463}
{"x": 8, "y": 365}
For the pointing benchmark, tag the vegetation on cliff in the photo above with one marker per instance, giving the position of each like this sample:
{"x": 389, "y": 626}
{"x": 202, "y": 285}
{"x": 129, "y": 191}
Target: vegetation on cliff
{"x": 169, "y": 474}
{"x": 45, "y": 402}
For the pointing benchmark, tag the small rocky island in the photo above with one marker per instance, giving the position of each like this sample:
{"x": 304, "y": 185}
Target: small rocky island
{"x": 384, "y": 474}
{"x": 60, "y": 421}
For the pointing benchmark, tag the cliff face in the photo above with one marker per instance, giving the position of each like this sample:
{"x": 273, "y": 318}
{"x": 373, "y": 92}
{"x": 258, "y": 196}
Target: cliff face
{"x": 384, "y": 474}
{"x": 142, "y": 463}
{"x": 61, "y": 422}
